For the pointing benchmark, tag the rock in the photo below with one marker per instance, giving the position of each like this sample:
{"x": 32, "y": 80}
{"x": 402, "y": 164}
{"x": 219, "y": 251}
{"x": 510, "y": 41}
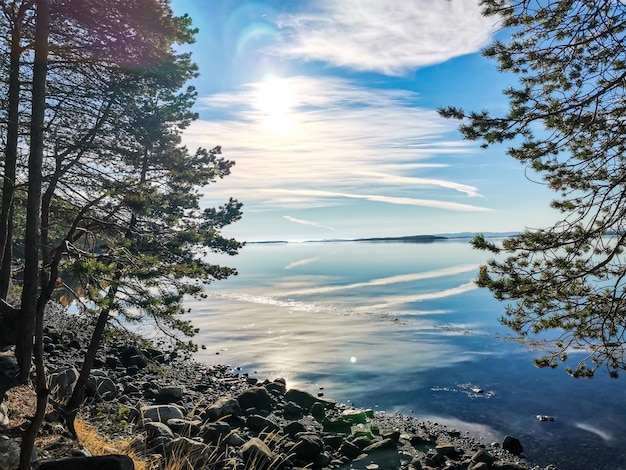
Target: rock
{"x": 167, "y": 395}
{"x": 184, "y": 427}
{"x": 277, "y": 386}
{"x": 349, "y": 450}
{"x": 10, "y": 454}
{"x": 225, "y": 406}
{"x": 294, "y": 428}
{"x": 216, "y": 432}
{"x": 256, "y": 454}
{"x": 293, "y": 411}
{"x": 255, "y": 397}
{"x": 301, "y": 398}
{"x": 378, "y": 445}
{"x": 447, "y": 450}
{"x": 512, "y": 445}
{"x": 105, "y": 462}
{"x": 188, "y": 450}
{"x": 318, "y": 411}
{"x": 260, "y": 424}
{"x": 483, "y": 456}
{"x": 545, "y": 418}
{"x": 337, "y": 425}
{"x": 62, "y": 382}
{"x": 160, "y": 413}
{"x": 101, "y": 387}
{"x": 354, "y": 416}
{"x": 157, "y": 429}
{"x": 308, "y": 446}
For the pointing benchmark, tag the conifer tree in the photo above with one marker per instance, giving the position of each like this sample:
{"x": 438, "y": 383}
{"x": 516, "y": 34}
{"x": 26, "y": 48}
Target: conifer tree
{"x": 566, "y": 122}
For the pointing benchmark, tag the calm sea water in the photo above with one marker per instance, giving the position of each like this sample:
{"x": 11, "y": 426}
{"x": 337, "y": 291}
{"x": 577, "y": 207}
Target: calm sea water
{"x": 401, "y": 327}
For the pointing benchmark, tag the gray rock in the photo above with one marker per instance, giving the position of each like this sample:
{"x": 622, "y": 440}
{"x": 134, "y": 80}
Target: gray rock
{"x": 483, "y": 456}
{"x": 277, "y": 386}
{"x": 256, "y": 454}
{"x": 62, "y": 382}
{"x": 301, "y": 398}
{"x": 255, "y": 397}
{"x": 318, "y": 411}
{"x": 215, "y": 432}
{"x": 225, "y": 406}
{"x": 308, "y": 446}
{"x": 187, "y": 450}
{"x": 9, "y": 453}
{"x": 260, "y": 424}
{"x": 349, "y": 450}
{"x": 184, "y": 427}
{"x": 160, "y": 413}
{"x": 105, "y": 462}
{"x": 101, "y": 387}
{"x": 378, "y": 445}
{"x": 166, "y": 395}
{"x": 293, "y": 411}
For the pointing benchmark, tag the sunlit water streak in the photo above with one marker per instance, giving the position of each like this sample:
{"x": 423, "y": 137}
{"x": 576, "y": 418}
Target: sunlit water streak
{"x": 401, "y": 327}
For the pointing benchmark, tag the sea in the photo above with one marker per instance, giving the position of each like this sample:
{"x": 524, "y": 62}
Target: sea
{"x": 402, "y": 328}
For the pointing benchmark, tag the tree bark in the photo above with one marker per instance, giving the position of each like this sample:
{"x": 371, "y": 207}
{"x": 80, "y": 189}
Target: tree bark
{"x": 10, "y": 156}
{"x": 32, "y": 314}
{"x": 26, "y": 326}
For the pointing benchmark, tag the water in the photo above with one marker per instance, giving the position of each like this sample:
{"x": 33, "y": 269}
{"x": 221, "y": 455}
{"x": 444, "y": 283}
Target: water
{"x": 401, "y": 327}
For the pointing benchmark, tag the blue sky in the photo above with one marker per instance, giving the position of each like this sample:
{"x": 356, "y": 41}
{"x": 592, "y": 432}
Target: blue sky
{"x": 329, "y": 107}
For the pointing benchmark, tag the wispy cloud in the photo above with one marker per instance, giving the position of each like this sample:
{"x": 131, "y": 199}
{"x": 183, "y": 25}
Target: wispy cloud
{"x": 327, "y": 135}
{"x": 453, "y": 206}
{"x": 387, "y": 36}
{"x": 306, "y": 222}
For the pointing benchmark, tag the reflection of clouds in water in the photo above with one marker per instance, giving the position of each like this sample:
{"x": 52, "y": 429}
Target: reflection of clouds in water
{"x": 405, "y": 299}
{"x": 386, "y": 280}
{"x": 302, "y": 262}
{"x": 286, "y": 343}
{"x": 607, "y": 437}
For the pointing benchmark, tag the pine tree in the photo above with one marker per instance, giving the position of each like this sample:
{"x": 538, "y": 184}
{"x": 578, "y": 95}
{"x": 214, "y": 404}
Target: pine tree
{"x": 566, "y": 121}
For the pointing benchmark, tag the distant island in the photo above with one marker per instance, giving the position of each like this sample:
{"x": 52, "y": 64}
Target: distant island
{"x": 405, "y": 239}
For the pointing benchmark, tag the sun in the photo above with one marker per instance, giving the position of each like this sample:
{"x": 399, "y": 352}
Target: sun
{"x": 275, "y": 101}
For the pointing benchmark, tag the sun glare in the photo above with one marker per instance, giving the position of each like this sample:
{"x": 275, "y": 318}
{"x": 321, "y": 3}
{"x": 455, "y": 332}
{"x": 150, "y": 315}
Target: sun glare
{"x": 275, "y": 100}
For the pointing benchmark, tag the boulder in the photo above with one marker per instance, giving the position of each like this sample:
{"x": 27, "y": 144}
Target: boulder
{"x": 260, "y": 424}
{"x": 216, "y": 432}
{"x": 256, "y": 454}
{"x": 255, "y": 397}
{"x": 160, "y": 413}
{"x": 512, "y": 445}
{"x": 167, "y": 395}
{"x": 62, "y": 382}
{"x": 308, "y": 446}
{"x": 225, "y": 406}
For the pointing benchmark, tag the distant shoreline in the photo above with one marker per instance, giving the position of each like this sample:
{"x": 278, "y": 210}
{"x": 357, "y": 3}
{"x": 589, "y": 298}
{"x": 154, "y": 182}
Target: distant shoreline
{"x": 404, "y": 239}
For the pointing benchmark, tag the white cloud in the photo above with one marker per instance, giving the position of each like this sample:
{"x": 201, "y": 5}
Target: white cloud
{"x": 453, "y": 206}
{"x": 330, "y": 139}
{"x": 306, "y": 222}
{"x": 386, "y": 36}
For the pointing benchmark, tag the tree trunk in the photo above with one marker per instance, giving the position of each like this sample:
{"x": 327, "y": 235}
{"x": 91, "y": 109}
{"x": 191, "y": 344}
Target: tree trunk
{"x": 24, "y": 340}
{"x": 10, "y": 159}
{"x": 32, "y": 313}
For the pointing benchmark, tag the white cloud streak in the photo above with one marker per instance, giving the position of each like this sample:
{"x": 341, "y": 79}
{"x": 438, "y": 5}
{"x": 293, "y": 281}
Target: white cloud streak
{"x": 391, "y": 37}
{"x": 331, "y": 136}
{"x": 306, "y": 222}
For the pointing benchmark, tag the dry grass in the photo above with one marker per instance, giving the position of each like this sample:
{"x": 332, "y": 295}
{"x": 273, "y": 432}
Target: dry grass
{"x": 94, "y": 442}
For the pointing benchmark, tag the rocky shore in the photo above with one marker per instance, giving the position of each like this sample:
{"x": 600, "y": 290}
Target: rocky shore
{"x": 211, "y": 417}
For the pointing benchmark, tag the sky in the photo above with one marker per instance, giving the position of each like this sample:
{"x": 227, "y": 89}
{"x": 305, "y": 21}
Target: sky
{"x": 329, "y": 110}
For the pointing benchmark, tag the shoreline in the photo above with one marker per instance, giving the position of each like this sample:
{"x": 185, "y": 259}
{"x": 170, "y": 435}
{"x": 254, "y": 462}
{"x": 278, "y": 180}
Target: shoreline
{"x": 178, "y": 403}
